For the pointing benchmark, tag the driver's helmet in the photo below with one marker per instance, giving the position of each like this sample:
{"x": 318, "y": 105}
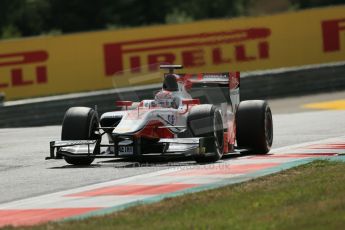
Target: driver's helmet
{"x": 167, "y": 97}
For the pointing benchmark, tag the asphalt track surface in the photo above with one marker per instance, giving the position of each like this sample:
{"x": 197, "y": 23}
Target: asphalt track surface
{"x": 24, "y": 172}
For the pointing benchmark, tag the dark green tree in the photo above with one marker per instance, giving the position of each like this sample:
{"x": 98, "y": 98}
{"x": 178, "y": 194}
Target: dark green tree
{"x": 34, "y": 17}
{"x": 315, "y": 3}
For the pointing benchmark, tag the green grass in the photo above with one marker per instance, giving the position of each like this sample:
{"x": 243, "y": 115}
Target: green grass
{"x": 307, "y": 197}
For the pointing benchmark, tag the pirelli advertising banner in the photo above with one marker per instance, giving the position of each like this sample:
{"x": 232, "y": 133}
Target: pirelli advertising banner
{"x": 50, "y": 65}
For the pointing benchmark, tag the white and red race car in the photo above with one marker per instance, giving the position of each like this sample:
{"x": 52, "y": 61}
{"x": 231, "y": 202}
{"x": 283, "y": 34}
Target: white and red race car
{"x": 198, "y": 115}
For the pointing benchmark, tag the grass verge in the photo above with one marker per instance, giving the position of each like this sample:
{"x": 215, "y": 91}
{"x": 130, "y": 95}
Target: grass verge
{"x": 311, "y": 196}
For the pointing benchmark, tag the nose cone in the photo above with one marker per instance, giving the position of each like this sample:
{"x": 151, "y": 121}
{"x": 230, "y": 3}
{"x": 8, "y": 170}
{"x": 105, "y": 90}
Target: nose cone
{"x": 132, "y": 122}
{"x": 129, "y": 126}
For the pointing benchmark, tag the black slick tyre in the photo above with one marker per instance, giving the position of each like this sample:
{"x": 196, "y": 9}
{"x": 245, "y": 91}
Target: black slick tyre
{"x": 254, "y": 126}
{"x": 79, "y": 123}
{"x": 206, "y": 121}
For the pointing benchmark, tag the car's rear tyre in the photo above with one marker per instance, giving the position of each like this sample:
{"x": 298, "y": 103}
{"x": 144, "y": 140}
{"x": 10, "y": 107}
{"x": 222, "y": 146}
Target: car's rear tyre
{"x": 79, "y": 123}
{"x": 254, "y": 126}
{"x": 206, "y": 121}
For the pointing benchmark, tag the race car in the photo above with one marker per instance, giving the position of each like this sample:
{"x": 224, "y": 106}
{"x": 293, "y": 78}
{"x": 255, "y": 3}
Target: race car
{"x": 196, "y": 115}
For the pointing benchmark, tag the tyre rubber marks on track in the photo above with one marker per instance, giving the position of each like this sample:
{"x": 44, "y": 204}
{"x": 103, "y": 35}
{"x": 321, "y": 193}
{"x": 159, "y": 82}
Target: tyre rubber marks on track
{"x": 115, "y": 195}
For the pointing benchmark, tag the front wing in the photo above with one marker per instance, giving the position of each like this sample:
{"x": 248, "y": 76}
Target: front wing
{"x": 130, "y": 148}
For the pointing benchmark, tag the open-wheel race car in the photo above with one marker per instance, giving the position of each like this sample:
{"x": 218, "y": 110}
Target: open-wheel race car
{"x": 197, "y": 115}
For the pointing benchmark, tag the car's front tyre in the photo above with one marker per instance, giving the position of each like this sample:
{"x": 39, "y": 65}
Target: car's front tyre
{"x": 79, "y": 123}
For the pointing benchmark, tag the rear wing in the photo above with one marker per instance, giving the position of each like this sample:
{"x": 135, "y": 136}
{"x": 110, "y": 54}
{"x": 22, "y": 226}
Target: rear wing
{"x": 226, "y": 79}
{"x": 214, "y": 88}
{"x": 231, "y": 79}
